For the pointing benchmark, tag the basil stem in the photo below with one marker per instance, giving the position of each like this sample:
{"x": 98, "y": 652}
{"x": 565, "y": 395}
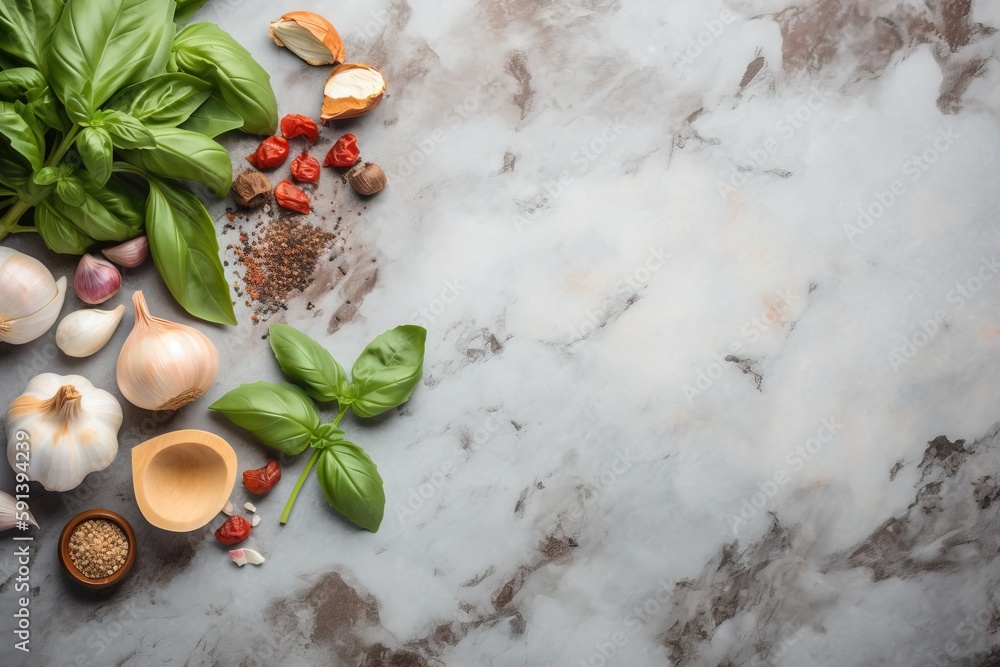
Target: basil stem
{"x": 305, "y": 472}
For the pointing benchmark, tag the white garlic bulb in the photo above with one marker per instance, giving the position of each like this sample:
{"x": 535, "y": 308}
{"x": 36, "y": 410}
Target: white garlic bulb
{"x": 164, "y": 365}
{"x": 10, "y": 515}
{"x": 70, "y": 427}
{"x": 30, "y": 298}
{"x": 84, "y": 332}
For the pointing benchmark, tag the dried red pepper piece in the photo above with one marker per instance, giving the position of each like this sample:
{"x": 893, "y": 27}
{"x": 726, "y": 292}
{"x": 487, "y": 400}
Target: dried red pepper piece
{"x": 233, "y": 531}
{"x": 291, "y": 197}
{"x": 263, "y": 479}
{"x": 305, "y": 169}
{"x": 271, "y": 153}
{"x": 295, "y": 125}
{"x": 344, "y": 153}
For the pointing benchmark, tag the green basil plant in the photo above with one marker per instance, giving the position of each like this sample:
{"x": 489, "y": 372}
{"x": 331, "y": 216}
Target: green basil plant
{"x": 106, "y": 108}
{"x": 284, "y": 417}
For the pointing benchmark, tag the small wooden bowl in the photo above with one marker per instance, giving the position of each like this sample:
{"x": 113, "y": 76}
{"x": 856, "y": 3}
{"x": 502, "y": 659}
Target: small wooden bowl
{"x": 67, "y": 562}
{"x": 182, "y": 480}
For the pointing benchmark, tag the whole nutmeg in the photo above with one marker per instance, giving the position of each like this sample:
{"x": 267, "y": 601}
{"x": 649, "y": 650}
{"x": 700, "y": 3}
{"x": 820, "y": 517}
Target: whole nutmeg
{"x": 367, "y": 178}
{"x": 251, "y": 189}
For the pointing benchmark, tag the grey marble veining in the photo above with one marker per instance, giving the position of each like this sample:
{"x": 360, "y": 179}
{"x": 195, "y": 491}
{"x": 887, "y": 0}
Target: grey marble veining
{"x": 711, "y": 364}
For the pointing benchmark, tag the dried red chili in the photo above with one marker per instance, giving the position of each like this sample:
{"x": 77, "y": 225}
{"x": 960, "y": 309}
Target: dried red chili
{"x": 295, "y": 125}
{"x": 271, "y": 153}
{"x": 263, "y": 479}
{"x": 233, "y": 531}
{"x": 344, "y": 153}
{"x": 305, "y": 169}
{"x": 291, "y": 197}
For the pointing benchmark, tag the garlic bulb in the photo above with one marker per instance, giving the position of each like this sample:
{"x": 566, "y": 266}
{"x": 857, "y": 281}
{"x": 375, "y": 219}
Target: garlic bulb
{"x": 164, "y": 365}
{"x": 30, "y": 298}
{"x": 9, "y": 514}
{"x": 70, "y": 427}
{"x": 129, "y": 254}
{"x": 96, "y": 280}
{"x": 84, "y": 332}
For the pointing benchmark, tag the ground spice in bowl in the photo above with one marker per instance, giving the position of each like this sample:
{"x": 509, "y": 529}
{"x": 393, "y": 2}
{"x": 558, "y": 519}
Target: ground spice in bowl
{"x": 98, "y": 548}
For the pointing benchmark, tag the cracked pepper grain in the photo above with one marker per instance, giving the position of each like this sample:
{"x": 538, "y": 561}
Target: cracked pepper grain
{"x": 278, "y": 259}
{"x": 98, "y": 548}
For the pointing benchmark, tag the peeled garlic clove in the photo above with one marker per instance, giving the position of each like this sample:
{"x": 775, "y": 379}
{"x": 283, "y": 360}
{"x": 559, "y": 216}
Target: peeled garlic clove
{"x": 250, "y": 507}
{"x": 84, "y": 332}
{"x": 255, "y": 520}
{"x": 129, "y": 254}
{"x": 243, "y": 556}
{"x": 352, "y": 90}
{"x": 9, "y": 515}
{"x": 229, "y": 510}
{"x": 30, "y": 298}
{"x": 310, "y": 37}
{"x": 66, "y": 428}
{"x": 164, "y": 365}
{"x": 96, "y": 280}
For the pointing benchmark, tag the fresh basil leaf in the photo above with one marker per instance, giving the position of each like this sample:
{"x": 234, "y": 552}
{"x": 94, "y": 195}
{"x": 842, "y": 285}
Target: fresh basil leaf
{"x": 22, "y": 130}
{"x": 70, "y": 190}
{"x": 27, "y": 26}
{"x": 99, "y": 47}
{"x": 213, "y": 118}
{"x": 307, "y": 363}
{"x": 210, "y": 53}
{"x": 16, "y": 82}
{"x": 93, "y": 219}
{"x": 326, "y": 436}
{"x": 352, "y": 484}
{"x": 47, "y": 176}
{"x": 42, "y": 102}
{"x": 14, "y": 169}
{"x": 58, "y": 233}
{"x": 279, "y": 415}
{"x": 97, "y": 152}
{"x": 185, "y": 249}
{"x": 34, "y": 193}
{"x": 126, "y": 131}
{"x": 185, "y": 155}
{"x": 167, "y": 99}
{"x": 186, "y": 9}
{"x": 120, "y": 197}
{"x": 388, "y": 370}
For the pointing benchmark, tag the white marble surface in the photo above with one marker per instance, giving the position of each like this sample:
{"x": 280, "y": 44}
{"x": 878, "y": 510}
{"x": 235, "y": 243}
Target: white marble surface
{"x": 601, "y": 212}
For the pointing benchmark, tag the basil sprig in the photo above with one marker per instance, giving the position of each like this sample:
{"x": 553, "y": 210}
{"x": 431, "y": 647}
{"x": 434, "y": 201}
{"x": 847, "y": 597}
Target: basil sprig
{"x": 282, "y": 416}
{"x": 101, "y": 101}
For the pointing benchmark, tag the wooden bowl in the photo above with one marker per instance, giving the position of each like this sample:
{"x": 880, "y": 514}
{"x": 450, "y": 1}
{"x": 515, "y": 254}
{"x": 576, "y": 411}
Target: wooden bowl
{"x": 67, "y": 562}
{"x": 182, "y": 480}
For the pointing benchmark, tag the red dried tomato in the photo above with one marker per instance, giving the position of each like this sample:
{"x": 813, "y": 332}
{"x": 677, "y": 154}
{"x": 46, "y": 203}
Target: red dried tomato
{"x": 263, "y": 479}
{"x": 233, "y": 531}
{"x": 271, "y": 153}
{"x": 291, "y": 197}
{"x": 305, "y": 169}
{"x": 344, "y": 153}
{"x": 295, "y": 125}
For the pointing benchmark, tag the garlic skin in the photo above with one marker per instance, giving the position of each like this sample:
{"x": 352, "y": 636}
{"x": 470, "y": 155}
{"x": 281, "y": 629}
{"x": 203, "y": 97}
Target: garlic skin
{"x": 310, "y": 37}
{"x": 30, "y": 298}
{"x": 85, "y": 332}
{"x": 129, "y": 254}
{"x": 9, "y": 513}
{"x": 71, "y": 428}
{"x": 164, "y": 365}
{"x": 351, "y": 90}
{"x": 96, "y": 280}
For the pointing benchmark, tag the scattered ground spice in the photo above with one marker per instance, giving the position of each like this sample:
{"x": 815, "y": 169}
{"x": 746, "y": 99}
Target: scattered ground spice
{"x": 98, "y": 548}
{"x": 279, "y": 259}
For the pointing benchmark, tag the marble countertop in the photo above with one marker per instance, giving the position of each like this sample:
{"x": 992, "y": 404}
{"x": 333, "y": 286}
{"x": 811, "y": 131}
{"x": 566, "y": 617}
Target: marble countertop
{"x": 711, "y": 291}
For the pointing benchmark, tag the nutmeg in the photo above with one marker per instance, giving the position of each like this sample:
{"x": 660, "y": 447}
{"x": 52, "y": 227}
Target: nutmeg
{"x": 251, "y": 189}
{"x": 367, "y": 178}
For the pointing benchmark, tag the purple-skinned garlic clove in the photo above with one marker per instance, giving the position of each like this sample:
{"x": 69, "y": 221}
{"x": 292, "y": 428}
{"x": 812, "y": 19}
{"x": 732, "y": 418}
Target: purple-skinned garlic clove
{"x": 96, "y": 280}
{"x": 129, "y": 254}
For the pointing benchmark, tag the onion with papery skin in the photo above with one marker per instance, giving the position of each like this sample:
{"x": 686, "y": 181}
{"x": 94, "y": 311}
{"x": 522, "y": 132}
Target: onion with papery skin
{"x": 310, "y": 37}
{"x": 164, "y": 365}
{"x": 351, "y": 90}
